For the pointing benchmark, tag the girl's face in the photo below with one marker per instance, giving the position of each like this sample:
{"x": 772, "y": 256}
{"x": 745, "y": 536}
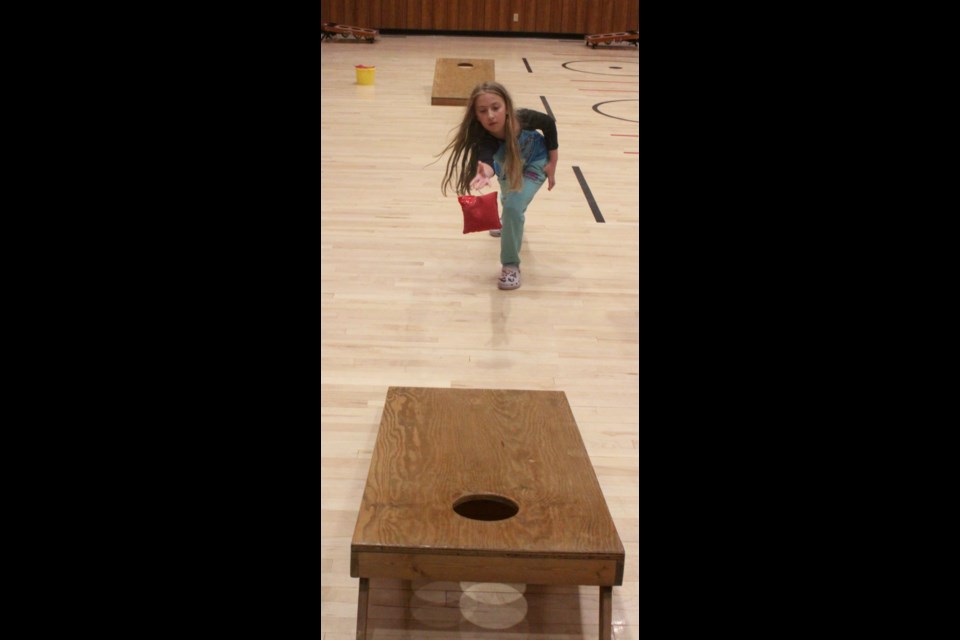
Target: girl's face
{"x": 491, "y": 113}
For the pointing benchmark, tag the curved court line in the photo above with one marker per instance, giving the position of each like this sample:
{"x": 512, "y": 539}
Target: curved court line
{"x": 619, "y": 75}
{"x": 597, "y": 106}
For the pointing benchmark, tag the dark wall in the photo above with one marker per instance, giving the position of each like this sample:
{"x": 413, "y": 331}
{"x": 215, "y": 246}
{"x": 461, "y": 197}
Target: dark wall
{"x": 580, "y": 17}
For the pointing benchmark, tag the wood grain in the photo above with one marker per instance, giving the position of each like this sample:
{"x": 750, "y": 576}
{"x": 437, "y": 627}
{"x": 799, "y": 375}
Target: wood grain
{"x": 453, "y": 82}
{"x": 437, "y": 445}
{"x": 578, "y": 17}
{"x": 526, "y": 569}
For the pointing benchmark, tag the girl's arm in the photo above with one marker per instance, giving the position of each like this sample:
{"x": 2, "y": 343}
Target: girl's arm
{"x": 536, "y": 120}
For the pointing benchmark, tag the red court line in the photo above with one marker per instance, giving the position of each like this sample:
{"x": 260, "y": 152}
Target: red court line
{"x": 598, "y": 57}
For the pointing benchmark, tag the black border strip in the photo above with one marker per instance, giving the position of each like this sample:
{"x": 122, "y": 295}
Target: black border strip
{"x": 546, "y": 105}
{"x": 586, "y": 192}
{"x": 529, "y": 70}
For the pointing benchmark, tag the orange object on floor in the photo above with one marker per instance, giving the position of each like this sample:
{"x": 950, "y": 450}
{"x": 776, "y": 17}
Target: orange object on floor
{"x": 630, "y": 37}
{"x": 331, "y": 30}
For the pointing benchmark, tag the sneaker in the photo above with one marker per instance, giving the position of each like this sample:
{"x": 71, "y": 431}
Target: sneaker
{"x": 496, "y": 232}
{"x": 509, "y": 278}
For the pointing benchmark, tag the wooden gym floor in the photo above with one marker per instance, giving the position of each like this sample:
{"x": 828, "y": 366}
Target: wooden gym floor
{"x": 408, "y": 300}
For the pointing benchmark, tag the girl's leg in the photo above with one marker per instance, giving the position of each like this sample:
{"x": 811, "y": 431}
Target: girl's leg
{"x": 514, "y": 204}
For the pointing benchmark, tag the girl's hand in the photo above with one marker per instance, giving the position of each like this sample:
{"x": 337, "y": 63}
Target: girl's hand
{"x": 479, "y": 181}
{"x": 548, "y": 170}
{"x": 482, "y": 179}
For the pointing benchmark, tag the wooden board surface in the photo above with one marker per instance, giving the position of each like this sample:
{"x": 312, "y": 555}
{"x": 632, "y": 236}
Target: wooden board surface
{"x": 455, "y": 78}
{"x": 435, "y": 446}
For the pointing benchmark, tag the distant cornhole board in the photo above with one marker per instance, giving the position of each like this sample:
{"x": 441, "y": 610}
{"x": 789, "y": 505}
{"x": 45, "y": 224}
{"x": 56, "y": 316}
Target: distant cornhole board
{"x": 455, "y": 78}
{"x": 630, "y": 37}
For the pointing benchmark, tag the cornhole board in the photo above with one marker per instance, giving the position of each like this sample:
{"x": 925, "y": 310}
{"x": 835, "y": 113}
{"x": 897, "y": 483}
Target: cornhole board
{"x": 486, "y": 485}
{"x": 332, "y": 30}
{"x": 630, "y": 37}
{"x": 455, "y": 78}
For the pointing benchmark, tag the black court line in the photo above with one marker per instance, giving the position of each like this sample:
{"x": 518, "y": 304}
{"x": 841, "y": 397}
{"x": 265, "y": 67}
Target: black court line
{"x": 597, "y": 106}
{"x": 529, "y": 70}
{"x": 546, "y": 105}
{"x": 586, "y": 192}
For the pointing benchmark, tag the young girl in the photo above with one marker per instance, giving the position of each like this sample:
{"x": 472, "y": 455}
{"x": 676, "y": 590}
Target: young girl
{"x": 501, "y": 141}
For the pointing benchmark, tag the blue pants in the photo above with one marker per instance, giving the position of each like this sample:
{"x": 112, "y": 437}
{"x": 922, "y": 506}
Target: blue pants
{"x": 514, "y": 203}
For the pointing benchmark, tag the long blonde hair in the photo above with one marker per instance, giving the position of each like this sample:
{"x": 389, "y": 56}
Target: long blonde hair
{"x": 462, "y": 164}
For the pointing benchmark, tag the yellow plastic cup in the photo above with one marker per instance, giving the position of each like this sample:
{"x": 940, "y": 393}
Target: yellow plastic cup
{"x": 365, "y": 74}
